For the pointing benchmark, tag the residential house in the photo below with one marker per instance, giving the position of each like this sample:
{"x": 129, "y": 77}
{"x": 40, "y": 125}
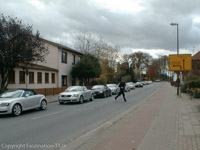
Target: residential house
{"x": 53, "y": 73}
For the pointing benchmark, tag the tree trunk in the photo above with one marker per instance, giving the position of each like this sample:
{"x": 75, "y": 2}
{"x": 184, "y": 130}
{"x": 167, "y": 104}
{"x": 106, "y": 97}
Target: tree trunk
{"x": 4, "y": 82}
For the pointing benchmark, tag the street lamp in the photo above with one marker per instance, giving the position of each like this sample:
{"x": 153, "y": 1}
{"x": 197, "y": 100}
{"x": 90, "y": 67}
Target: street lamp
{"x": 178, "y": 73}
{"x": 176, "y": 24}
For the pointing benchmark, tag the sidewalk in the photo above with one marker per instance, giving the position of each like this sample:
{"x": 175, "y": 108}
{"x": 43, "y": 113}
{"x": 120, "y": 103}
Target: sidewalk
{"x": 163, "y": 122}
{"x": 52, "y": 98}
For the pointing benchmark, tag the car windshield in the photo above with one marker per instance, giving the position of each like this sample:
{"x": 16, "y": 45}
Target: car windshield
{"x": 111, "y": 85}
{"x": 11, "y": 94}
{"x": 97, "y": 87}
{"x": 74, "y": 88}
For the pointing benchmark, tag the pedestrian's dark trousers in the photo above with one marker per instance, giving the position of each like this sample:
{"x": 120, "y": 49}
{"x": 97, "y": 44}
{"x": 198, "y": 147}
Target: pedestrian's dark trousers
{"x": 121, "y": 92}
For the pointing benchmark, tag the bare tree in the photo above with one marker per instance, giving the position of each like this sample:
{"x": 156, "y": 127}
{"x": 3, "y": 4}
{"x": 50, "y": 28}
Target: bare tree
{"x": 97, "y": 46}
{"x": 84, "y": 42}
{"x": 161, "y": 64}
{"x": 111, "y": 54}
{"x": 100, "y": 44}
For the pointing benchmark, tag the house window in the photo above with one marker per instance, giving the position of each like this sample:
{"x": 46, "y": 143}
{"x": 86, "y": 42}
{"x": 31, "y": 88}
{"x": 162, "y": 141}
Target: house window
{"x": 79, "y": 58}
{"x": 21, "y": 77}
{"x": 46, "y": 77}
{"x": 64, "y": 80}
{"x": 73, "y": 59}
{"x": 39, "y": 77}
{"x": 31, "y": 77}
{"x": 53, "y": 78}
{"x": 12, "y": 77}
{"x": 64, "y": 57}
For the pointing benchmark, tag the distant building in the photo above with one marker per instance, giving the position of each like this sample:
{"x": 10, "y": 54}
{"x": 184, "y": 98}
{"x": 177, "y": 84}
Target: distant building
{"x": 53, "y": 73}
{"x": 151, "y": 73}
{"x": 196, "y": 64}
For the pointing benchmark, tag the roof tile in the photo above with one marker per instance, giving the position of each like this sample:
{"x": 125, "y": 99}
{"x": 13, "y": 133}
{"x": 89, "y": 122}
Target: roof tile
{"x": 196, "y": 56}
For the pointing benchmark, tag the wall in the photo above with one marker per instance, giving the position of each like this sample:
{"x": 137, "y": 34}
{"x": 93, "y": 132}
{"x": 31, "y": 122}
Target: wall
{"x": 35, "y": 84}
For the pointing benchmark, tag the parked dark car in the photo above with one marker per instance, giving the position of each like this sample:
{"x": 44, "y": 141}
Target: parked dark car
{"x": 114, "y": 88}
{"x": 101, "y": 91}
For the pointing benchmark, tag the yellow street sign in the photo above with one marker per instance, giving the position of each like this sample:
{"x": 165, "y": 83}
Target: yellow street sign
{"x": 180, "y": 62}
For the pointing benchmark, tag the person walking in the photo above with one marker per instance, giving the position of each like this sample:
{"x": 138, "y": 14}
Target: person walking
{"x": 122, "y": 86}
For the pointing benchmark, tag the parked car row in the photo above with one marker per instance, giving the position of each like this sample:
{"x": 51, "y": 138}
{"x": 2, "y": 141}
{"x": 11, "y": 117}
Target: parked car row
{"x": 18, "y": 100}
{"x": 81, "y": 93}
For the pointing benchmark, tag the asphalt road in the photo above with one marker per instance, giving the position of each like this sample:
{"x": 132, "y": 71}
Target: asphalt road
{"x": 34, "y": 129}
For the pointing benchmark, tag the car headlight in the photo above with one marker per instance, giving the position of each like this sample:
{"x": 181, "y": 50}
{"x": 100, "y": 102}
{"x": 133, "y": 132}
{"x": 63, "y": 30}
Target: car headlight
{"x": 75, "y": 95}
{"x": 100, "y": 91}
{"x": 4, "y": 104}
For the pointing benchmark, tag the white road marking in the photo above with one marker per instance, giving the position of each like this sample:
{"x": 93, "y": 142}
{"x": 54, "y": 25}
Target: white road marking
{"x": 48, "y": 115}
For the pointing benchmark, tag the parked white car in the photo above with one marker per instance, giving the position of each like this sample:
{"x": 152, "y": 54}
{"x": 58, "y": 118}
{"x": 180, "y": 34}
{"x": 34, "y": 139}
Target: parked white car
{"x": 148, "y": 82}
{"x": 139, "y": 84}
{"x": 131, "y": 85}
{"x": 76, "y": 94}
{"x": 114, "y": 88}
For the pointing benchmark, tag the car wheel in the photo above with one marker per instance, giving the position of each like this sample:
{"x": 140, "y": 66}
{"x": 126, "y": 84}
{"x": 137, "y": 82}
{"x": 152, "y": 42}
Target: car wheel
{"x": 92, "y": 97}
{"x": 43, "y": 105}
{"x": 17, "y": 110}
{"x": 61, "y": 103}
{"x": 111, "y": 93}
{"x": 81, "y": 100}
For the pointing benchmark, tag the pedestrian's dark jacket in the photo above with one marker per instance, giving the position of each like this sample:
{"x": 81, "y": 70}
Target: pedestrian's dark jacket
{"x": 122, "y": 86}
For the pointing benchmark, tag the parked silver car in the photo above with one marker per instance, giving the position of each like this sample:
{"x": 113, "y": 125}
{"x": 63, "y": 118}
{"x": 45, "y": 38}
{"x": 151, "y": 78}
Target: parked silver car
{"x": 131, "y": 85}
{"x": 114, "y": 88}
{"x": 139, "y": 84}
{"x": 76, "y": 94}
{"x": 16, "y": 101}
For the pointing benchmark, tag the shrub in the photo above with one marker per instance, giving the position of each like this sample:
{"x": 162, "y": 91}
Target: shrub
{"x": 196, "y": 93}
{"x": 184, "y": 88}
{"x": 190, "y": 85}
{"x": 102, "y": 80}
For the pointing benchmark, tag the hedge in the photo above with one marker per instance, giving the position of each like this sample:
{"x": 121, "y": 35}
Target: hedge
{"x": 190, "y": 85}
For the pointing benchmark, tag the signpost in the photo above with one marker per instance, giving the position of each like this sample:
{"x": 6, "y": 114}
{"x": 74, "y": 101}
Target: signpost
{"x": 180, "y": 62}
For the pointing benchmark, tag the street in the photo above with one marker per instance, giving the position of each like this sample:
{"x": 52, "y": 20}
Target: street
{"x": 65, "y": 122}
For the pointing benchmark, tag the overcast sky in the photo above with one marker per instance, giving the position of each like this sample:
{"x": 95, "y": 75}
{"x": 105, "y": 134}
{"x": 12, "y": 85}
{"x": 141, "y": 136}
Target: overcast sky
{"x": 134, "y": 25}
